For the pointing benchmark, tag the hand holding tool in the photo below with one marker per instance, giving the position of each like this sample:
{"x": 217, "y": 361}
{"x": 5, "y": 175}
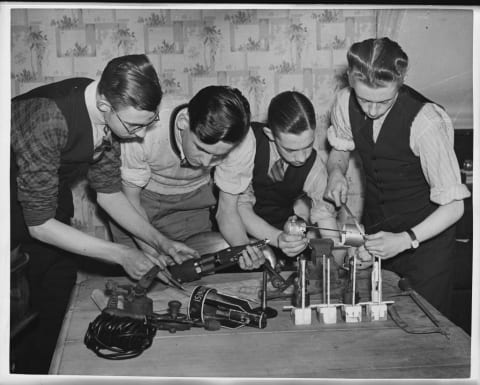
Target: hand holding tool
{"x": 194, "y": 269}
{"x": 349, "y": 212}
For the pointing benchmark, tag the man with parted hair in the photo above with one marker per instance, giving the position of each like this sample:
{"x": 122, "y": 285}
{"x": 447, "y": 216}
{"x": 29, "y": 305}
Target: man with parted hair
{"x": 414, "y": 195}
{"x": 168, "y": 175}
{"x": 288, "y": 166}
{"x": 59, "y": 133}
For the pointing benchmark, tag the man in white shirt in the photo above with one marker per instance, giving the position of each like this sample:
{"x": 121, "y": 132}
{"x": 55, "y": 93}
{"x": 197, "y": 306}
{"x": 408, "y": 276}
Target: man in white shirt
{"x": 288, "y": 165}
{"x": 414, "y": 195}
{"x": 168, "y": 175}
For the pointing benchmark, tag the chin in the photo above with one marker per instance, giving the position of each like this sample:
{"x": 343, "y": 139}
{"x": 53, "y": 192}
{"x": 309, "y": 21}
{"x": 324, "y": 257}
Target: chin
{"x": 297, "y": 164}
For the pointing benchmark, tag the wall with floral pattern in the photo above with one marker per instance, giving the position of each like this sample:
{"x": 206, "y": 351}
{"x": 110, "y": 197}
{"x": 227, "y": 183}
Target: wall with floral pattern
{"x": 262, "y": 52}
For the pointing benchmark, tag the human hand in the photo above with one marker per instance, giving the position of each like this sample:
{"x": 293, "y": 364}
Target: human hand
{"x": 363, "y": 257}
{"x": 252, "y": 258}
{"x": 386, "y": 245}
{"x": 163, "y": 261}
{"x": 292, "y": 244}
{"x": 134, "y": 261}
{"x": 179, "y": 251}
{"x": 337, "y": 188}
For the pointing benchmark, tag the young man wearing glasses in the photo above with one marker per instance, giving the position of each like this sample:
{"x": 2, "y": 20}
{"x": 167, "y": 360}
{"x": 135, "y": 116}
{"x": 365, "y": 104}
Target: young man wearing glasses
{"x": 168, "y": 175}
{"x": 60, "y": 132}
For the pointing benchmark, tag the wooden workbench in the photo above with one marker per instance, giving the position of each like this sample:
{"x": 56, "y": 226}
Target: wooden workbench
{"x": 355, "y": 350}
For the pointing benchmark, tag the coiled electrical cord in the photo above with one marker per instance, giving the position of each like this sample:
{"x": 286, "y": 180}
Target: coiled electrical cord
{"x": 124, "y": 337}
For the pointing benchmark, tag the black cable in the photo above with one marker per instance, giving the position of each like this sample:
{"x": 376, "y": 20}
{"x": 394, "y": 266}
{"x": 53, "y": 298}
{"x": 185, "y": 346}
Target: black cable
{"x": 125, "y": 337}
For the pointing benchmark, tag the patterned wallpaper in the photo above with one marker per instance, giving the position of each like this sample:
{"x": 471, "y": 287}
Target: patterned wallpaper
{"x": 262, "y": 52}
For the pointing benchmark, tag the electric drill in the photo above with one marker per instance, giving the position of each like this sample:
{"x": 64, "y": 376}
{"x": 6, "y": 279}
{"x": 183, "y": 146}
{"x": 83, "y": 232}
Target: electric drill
{"x": 194, "y": 269}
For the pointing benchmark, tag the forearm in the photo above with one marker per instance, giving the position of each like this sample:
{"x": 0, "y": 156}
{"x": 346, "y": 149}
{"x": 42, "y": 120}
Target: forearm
{"x": 338, "y": 161}
{"x": 337, "y": 185}
{"x": 124, "y": 213}
{"x": 133, "y": 195}
{"x": 68, "y": 238}
{"x": 442, "y": 218}
{"x": 229, "y": 222}
{"x": 258, "y": 227}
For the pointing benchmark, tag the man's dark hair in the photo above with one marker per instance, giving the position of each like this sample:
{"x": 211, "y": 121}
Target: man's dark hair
{"x": 376, "y": 62}
{"x": 219, "y": 113}
{"x": 291, "y": 112}
{"x": 131, "y": 81}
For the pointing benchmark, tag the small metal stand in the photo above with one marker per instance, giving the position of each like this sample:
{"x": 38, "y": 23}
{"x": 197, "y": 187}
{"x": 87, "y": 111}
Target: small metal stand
{"x": 377, "y": 309}
{"x": 352, "y": 312}
{"x": 327, "y": 312}
{"x": 269, "y": 311}
{"x": 301, "y": 311}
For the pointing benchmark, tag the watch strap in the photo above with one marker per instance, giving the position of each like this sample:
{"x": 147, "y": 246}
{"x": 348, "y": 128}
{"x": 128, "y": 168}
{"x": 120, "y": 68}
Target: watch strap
{"x": 413, "y": 238}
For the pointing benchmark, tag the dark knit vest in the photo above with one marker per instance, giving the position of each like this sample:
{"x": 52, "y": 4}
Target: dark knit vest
{"x": 275, "y": 200}
{"x": 397, "y": 195}
{"x": 76, "y": 156}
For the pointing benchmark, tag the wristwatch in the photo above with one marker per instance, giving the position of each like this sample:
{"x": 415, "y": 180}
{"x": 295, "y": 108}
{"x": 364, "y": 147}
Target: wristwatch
{"x": 414, "y": 239}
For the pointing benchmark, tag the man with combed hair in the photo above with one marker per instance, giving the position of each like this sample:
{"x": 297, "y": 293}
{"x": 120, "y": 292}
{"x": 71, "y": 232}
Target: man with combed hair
{"x": 414, "y": 195}
{"x": 59, "y": 133}
{"x": 288, "y": 166}
{"x": 168, "y": 175}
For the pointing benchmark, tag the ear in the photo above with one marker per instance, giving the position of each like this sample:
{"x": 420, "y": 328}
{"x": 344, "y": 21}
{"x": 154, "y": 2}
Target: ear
{"x": 350, "y": 78}
{"x": 183, "y": 121}
{"x": 267, "y": 131}
{"x": 103, "y": 105}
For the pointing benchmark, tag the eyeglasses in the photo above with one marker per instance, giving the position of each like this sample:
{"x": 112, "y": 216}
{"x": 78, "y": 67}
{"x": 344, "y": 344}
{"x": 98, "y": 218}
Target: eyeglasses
{"x": 133, "y": 128}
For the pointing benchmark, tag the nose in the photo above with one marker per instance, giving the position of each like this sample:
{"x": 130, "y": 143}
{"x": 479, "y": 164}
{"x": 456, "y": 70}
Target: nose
{"x": 372, "y": 109}
{"x": 301, "y": 156}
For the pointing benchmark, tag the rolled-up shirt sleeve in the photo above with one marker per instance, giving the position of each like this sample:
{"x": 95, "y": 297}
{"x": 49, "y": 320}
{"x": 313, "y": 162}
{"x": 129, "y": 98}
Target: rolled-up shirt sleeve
{"x": 135, "y": 170}
{"x": 247, "y": 197}
{"x": 104, "y": 175}
{"x": 432, "y": 140}
{"x": 234, "y": 174}
{"x": 339, "y": 134}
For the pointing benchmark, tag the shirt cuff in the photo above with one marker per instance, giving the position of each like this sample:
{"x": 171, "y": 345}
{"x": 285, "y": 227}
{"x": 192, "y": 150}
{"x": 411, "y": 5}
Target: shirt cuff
{"x": 247, "y": 197}
{"x": 36, "y": 218}
{"x": 232, "y": 187}
{"x": 112, "y": 188}
{"x": 340, "y": 144}
{"x": 136, "y": 177}
{"x": 444, "y": 196}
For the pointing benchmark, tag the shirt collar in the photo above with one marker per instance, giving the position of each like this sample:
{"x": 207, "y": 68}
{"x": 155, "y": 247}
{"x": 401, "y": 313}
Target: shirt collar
{"x": 176, "y": 132}
{"x": 99, "y": 130}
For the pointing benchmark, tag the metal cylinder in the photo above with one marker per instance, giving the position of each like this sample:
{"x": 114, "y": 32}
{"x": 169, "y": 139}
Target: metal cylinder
{"x": 351, "y": 236}
{"x": 295, "y": 226}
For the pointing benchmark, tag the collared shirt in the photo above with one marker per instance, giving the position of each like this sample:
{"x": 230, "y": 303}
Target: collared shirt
{"x": 431, "y": 139}
{"x": 153, "y": 164}
{"x": 314, "y": 186}
{"x": 99, "y": 130}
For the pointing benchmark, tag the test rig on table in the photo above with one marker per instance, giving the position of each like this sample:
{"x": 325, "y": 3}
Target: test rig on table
{"x": 128, "y": 323}
{"x": 352, "y": 235}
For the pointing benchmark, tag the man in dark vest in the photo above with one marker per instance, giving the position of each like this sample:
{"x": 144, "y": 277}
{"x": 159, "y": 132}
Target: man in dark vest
{"x": 288, "y": 165}
{"x": 59, "y": 133}
{"x": 413, "y": 194}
